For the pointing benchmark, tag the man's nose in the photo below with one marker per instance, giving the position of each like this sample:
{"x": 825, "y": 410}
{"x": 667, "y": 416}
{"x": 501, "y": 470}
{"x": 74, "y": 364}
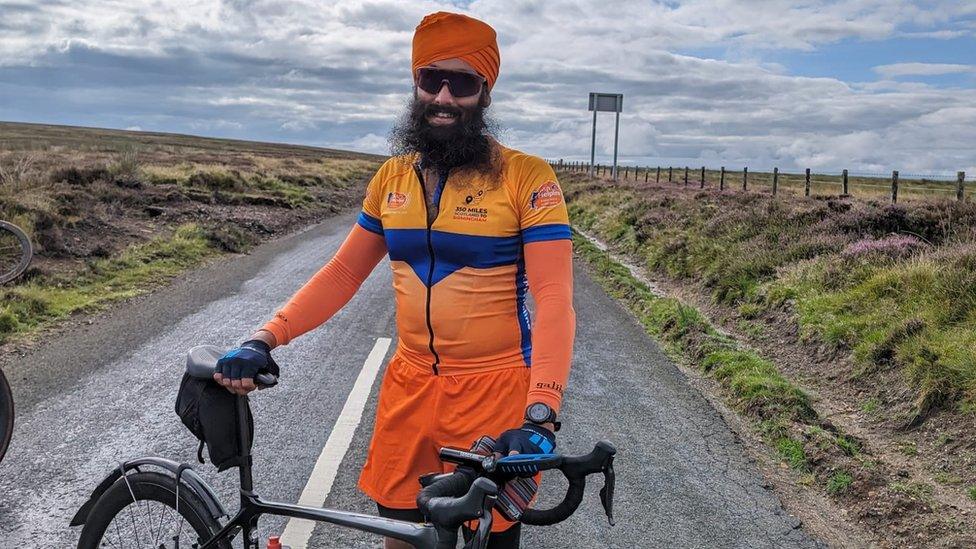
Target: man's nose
{"x": 444, "y": 96}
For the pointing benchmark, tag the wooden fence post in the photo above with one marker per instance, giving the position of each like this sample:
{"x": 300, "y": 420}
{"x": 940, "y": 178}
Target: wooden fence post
{"x": 658, "y": 179}
{"x": 647, "y": 172}
{"x": 745, "y": 178}
{"x": 702, "y": 186}
{"x": 686, "y": 176}
{"x": 894, "y": 187}
{"x": 961, "y": 178}
{"x": 721, "y": 180}
{"x": 806, "y": 191}
{"x": 669, "y": 173}
{"x": 775, "y": 180}
{"x": 845, "y": 183}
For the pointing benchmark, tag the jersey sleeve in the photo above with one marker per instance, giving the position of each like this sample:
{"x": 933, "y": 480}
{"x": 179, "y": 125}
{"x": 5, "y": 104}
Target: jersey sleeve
{"x": 369, "y": 217}
{"x": 549, "y": 269}
{"x": 541, "y": 206}
{"x": 330, "y": 288}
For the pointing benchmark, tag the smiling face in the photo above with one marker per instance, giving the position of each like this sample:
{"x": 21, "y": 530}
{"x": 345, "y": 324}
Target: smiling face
{"x": 448, "y": 132}
{"x": 443, "y": 109}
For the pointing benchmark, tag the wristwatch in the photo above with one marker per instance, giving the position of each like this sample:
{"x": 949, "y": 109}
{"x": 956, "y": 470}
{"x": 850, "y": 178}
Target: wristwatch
{"x": 539, "y": 413}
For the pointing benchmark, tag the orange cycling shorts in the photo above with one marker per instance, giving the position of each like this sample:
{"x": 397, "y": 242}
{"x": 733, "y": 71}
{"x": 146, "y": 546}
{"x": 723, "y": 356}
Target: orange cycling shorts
{"x": 419, "y": 412}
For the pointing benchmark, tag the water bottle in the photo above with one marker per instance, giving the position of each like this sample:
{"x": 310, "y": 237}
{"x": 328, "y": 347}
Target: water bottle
{"x": 274, "y": 542}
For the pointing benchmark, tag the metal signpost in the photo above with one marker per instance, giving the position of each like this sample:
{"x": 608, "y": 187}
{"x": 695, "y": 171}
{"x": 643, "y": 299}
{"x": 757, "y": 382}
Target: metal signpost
{"x": 608, "y": 102}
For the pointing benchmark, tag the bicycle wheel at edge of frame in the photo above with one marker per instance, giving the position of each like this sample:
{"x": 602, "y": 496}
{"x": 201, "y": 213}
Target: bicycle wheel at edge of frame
{"x": 148, "y": 486}
{"x": 26, "y": 254}
{"x": 6, "y": 415}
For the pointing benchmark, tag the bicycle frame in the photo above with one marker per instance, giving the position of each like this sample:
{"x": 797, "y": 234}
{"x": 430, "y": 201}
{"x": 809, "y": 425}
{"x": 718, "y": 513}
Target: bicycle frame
{"x": 421, "y": 536}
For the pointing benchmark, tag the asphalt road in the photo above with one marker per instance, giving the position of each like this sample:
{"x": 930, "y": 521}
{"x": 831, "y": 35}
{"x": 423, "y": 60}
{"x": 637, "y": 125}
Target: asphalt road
{"x": 102, "y": 393}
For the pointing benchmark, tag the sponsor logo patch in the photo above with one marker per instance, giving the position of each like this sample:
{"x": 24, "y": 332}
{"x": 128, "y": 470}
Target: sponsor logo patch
{"x": 558, "y": 387}
{"x": 395, "y": 200}
{"x": 546, "y": 196}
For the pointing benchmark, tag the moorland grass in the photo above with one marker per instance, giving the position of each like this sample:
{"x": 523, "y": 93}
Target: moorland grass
{"x": 781, "y": 410}
{"x": 893, "y": 285}
{"x": 56, "y": 180}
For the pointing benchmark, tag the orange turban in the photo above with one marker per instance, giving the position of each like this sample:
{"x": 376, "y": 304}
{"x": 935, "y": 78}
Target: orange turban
{"x": 445, "y": 35}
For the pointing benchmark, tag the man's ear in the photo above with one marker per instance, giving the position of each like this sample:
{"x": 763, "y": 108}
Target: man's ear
{"x": 485, "y": 99}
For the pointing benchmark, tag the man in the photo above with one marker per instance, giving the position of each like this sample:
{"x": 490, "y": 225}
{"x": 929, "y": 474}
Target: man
{"x": 469, "y": 226}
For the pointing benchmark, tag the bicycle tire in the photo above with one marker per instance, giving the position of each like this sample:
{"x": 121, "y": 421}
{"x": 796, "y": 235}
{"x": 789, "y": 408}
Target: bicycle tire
{"x": 6, "y": 415}
{"x": 16, "y": 266}
{"x": 147, "y": 486}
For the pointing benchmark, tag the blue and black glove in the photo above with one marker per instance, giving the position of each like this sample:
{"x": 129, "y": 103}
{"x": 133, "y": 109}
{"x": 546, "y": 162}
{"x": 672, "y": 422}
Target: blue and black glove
{"x": 245, "y": 361}
{"x": 528, "y": 439}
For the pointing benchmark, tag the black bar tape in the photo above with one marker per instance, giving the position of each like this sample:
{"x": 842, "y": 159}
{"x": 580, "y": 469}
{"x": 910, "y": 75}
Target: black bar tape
{"x": 561, "y": 512}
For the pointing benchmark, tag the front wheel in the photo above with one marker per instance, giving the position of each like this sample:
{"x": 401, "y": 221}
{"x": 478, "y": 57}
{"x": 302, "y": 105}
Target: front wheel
{"x": 6, "y": 415}
{"x": 15, "y": 251}
{"x": 140, "y": 510}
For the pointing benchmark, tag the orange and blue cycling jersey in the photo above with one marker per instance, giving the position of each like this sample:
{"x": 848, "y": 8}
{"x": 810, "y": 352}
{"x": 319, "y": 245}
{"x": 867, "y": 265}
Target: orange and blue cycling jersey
{"x": 460, "y": 281}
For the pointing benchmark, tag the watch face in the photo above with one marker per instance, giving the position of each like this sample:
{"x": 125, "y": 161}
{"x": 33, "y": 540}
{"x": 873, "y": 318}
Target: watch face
{"x": 538, "y": 412}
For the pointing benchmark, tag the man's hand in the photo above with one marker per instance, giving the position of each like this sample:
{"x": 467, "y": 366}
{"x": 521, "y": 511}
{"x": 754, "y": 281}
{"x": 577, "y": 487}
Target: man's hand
{"x": 529, "y": 439}
{"x": 236, "y": 369}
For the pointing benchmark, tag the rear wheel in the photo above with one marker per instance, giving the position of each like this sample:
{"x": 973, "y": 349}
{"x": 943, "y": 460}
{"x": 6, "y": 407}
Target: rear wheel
{"x": 6, "y": 415}
{"x": 15, "y": 252}
{"x": 139, "y": 510}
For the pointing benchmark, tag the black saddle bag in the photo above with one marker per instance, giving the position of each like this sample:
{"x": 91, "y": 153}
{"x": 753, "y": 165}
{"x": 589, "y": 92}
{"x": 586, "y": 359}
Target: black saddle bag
{"x": 209, "y": 411}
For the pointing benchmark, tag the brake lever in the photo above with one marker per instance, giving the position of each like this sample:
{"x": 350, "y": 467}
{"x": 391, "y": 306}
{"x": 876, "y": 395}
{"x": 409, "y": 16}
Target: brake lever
{"x": 480, "y": 539}
{"x": 606, "y": 493}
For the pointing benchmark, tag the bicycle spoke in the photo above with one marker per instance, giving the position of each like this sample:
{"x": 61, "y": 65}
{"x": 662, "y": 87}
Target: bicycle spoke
{"x": 149, "y": 518}
{"x": 118, "y": 534}
{"x": 142, "y": 525}
{"x": 135, "y": 529}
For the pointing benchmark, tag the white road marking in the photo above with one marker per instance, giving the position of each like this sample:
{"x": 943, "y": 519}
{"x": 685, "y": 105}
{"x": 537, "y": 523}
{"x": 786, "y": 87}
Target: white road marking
{"x": 298, "y": 531}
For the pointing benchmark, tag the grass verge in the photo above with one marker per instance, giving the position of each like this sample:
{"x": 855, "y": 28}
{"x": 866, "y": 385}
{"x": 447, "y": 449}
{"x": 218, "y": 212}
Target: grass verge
{"x": 41, "y": 300}
{"x": 892, "y": 286}
{"x": 781, "y": 411}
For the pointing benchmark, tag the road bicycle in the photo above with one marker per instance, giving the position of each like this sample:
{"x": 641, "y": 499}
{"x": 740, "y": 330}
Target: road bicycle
{"x": 16, "y": 251}
{"x": 6, "y": 415}
{"x": 15, "y": 255}
{"x": 135, "y": 506}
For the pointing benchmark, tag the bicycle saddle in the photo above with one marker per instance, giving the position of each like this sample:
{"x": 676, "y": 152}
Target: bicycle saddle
{"x": 201, "y": 363}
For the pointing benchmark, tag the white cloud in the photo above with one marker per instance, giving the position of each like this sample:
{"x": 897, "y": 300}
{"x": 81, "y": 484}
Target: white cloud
{"x": 369, "y": 143}
{"x": 338, "y": 73}
{"x": 922, "y": 69}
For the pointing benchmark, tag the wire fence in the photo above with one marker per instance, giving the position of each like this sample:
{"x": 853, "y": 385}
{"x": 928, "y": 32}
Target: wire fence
{"x": 845, "y": 183}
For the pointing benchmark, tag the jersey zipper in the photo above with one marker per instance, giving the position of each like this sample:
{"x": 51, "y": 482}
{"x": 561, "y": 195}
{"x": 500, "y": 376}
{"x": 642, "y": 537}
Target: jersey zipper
{"x": 430, "y": 250}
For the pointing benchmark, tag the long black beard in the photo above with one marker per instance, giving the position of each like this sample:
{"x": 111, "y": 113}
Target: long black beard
{"x": 467, "y": 144}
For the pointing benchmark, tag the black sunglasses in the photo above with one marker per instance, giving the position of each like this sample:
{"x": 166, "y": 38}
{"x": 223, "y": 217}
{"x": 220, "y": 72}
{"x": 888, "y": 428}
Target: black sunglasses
{"x": 461, "y": 84}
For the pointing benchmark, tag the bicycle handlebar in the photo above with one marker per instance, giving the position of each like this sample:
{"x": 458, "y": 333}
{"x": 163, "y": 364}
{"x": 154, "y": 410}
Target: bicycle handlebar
{"x": 500, "y": 470}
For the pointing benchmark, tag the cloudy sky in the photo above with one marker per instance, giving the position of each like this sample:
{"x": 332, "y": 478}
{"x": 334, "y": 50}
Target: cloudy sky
{"x": 870, "y": 85}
